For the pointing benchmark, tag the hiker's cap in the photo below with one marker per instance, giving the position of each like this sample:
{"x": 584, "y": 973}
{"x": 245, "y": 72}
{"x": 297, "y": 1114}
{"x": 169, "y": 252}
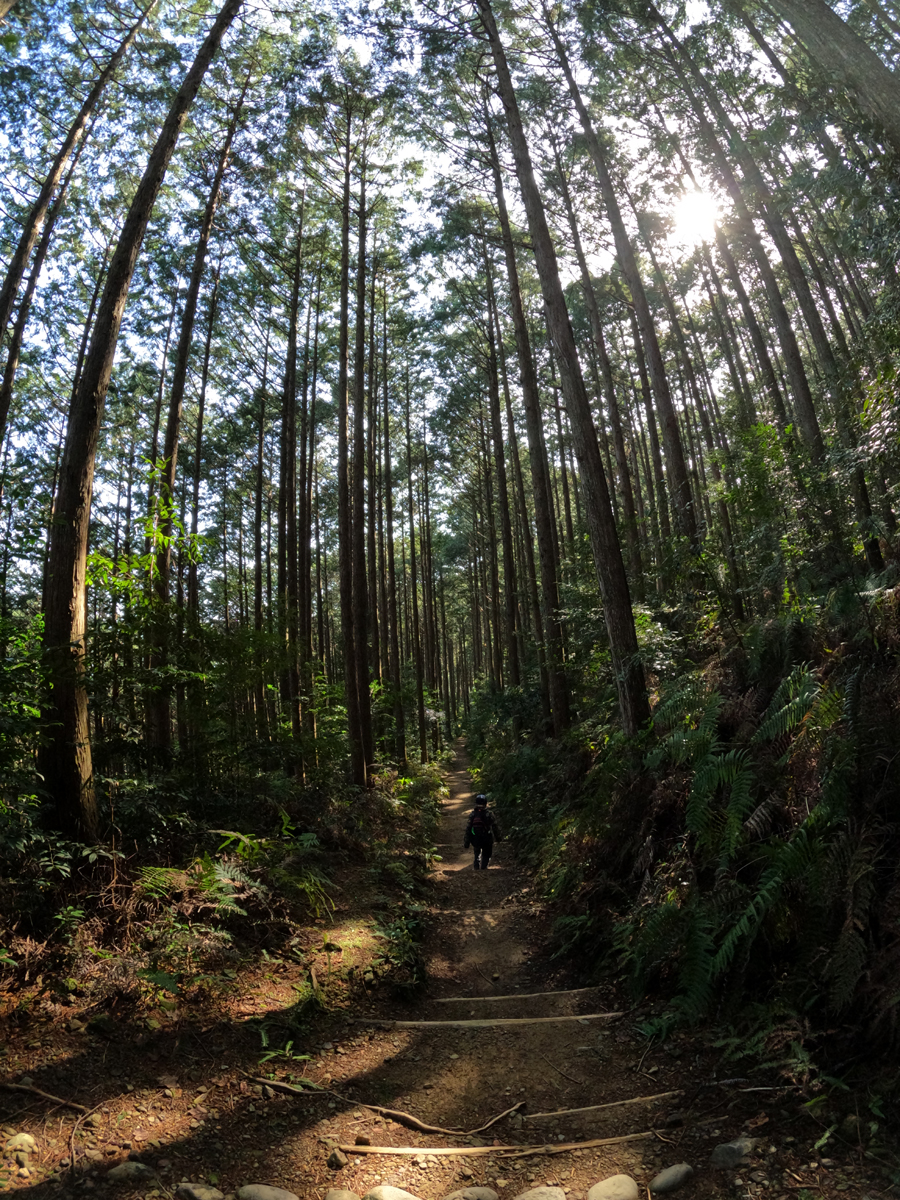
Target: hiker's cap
{"x": 481, "y": 798}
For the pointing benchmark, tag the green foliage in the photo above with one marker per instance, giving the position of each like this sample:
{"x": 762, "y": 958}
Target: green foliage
{"x": 746, "y": 858}
{"x": 400, "y": 957}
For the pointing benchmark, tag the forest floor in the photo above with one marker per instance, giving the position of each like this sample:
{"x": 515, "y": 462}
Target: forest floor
{"x": 180, "y": 1088}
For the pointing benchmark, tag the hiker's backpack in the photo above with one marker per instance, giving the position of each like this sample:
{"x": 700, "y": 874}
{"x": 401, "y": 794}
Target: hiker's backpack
{"x": 481, "y": 823}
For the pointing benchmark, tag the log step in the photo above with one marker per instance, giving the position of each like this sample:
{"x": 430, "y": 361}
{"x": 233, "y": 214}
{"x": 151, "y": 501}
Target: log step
{"x": 477, "y": 1022}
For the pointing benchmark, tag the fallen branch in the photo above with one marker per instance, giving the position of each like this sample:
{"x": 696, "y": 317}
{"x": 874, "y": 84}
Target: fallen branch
{"x": 571, "y": 1078}
{"x": 482, "y": 1022}
{"x": 401, "y": 1118}
{"x": 516, "y": 996}
{"x": 566, "y": 1112}
{"x": 27, "y": 1087}
{"x": 501, "y": 1151}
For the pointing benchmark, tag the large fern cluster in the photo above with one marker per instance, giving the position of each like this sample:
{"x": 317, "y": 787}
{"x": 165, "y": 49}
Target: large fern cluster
{"x": 774, "y": 882}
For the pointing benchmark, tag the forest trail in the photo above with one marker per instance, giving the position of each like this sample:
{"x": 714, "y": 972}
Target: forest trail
{"x": 186, "y": 1093}
{"x": 485, "y": 947}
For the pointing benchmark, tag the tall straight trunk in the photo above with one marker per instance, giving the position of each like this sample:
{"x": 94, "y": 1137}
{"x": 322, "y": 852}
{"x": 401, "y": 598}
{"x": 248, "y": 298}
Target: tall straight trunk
{"x": 842, "y": 55}
{"x": 540, "y": 475}
{"x": 193, "y": 590}
{"x": 157, "y": 418}
{"x": 358, "y": 488}
{"x": 393, "y": 616}
{"x": 609, "y": 390}
{"x": 306, "y": 527}
{"x": 31, "y": 227}
{"x": 259, "y": 682}
{"x": 287, "y": 503}
{"x": 633, "y": 703}
{"x": 373, "y": 507}
{"x": 490, "y": 549}
{"x": 68, "y": 767}
{"x": 414, "y": 614}
{"x": 358, "y": 774}
{"x": 662, "y": 499}
{"x": 18, "y": 333}
{"x": 510, "y": 589}
{"x": 158, "y": 722}
{"x": 675, "y": 460}
{"x": 180, "y": 368}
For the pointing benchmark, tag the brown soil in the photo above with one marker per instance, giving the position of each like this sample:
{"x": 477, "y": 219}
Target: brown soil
{"x": 176, "y": 1088}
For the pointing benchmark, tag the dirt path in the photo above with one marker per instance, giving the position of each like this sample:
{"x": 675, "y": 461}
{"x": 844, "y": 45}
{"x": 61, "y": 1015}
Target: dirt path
{"x": 486, "y": 942}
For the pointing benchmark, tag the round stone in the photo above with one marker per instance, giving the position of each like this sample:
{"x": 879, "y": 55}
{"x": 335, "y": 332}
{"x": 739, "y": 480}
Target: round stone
{"x": 671, "y": 1178}
{"x": 617, "y": 1187}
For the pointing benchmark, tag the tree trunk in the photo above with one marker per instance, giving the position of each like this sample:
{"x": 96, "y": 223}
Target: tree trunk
{"x": 843, "y": 57}
{"x": 675, "y": 461}
{"x": 540, "y": 475}
{"x": 18, "y": 333}
{"x": 35, "y": 218}
{"x": 612, "y": 403}
{"x": 287, "y": 505}
{"x": 414, "y": 615}
{"x": 633, "y": 704}
{"x": 396, "y": 678}
{"x": 67, "y": 765}
{"x": 358, "y": 484}
{"x": 193, "y": 591}
{"x": 345, "y": 516}
{"x": 158, "y": 723}
{"x": 504, "y": 509}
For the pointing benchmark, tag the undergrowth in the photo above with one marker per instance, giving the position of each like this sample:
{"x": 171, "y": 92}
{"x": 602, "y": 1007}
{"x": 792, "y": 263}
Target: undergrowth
{"x": 739, "y": 859}
{"x": 177, "y": 916}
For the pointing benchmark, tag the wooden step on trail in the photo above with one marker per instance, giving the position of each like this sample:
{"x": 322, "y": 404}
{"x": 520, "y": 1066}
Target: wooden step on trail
{"x": 514, "y": 996}
{"x": 475, "y": 1022}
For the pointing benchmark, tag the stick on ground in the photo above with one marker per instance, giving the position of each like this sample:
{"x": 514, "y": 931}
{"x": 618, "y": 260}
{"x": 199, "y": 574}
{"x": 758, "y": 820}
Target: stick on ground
{"x": 402, "y": 1118}
{"x": 515, "y": 996}
{"x": 27, "y": 1087}
{"x": 565, "y": 1112}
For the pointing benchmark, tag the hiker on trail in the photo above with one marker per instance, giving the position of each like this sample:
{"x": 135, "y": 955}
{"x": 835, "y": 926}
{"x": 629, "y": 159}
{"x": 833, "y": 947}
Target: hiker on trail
{"x": 481, "y": 829}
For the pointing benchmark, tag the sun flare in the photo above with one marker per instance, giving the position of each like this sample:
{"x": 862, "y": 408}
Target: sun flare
{"x": 693, "y": 218}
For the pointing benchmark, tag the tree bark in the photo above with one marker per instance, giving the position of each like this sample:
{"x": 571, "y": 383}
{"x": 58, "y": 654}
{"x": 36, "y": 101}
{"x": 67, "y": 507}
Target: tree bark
{"x": 18, "y": 333}
{"x": 345, "y": 516}
{"x": 634, "y": 707}
{"x": 358, "y": 488}
{"x": 35, "y": 219}
{"x": 68, "y": 768}
{"x": 842, "y": 55}
{"x": 540, "y": 475}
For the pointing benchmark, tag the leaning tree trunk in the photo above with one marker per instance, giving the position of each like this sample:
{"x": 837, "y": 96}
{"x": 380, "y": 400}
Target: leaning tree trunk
{"x": 633, "y": 703}
{"x": 18, "y": 333}
{"x": 845, "y": 58}
{"x": 540, "y": 475}
{"x": 35, "y": 219}
{"x": 66, "y": 759}
{"x": 612, "y": 403}
{"x": 685, "y": 518}
{"x": 158, "y": 722}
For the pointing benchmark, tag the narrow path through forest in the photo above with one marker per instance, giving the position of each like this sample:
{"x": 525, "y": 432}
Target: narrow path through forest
{"x": 181, "y": 1099}
{"x": 486, "y": 962}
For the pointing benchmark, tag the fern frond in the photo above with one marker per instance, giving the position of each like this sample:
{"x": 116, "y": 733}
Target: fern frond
{"x": 740, "y": 803}
{"x": 790, "y": 704}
